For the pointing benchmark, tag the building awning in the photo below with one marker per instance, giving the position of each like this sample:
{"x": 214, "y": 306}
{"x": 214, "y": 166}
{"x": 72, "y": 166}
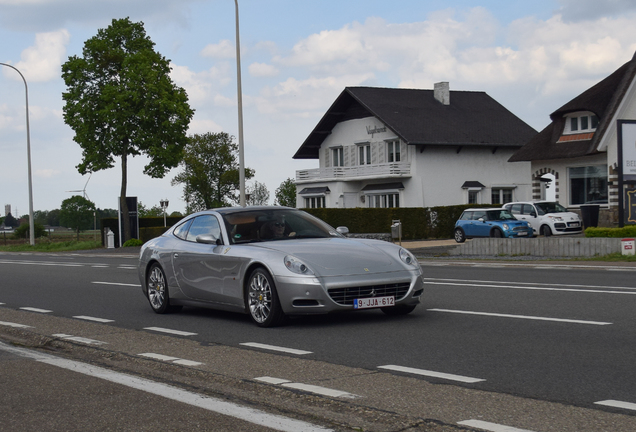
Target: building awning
{"x": 472, "y": 185}
{"x": 383, "y": 186}
{"x": 315, "y": 191}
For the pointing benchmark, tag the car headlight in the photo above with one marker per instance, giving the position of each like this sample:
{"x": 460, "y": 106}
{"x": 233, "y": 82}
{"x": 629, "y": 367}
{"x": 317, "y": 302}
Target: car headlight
{"x": 408, "y": 258}
{"x": 506, "y": 227}
{"x": 556, "y": 218}
{"x": 297, "y": 266}
{"x": 529, "y": 225}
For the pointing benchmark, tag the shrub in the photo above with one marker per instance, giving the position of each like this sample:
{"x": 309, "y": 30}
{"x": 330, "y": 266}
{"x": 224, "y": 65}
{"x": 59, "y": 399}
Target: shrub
{"x": 23, "y": 231}
{"x": 628, "y": 231}
{"x": 133, "y": 243}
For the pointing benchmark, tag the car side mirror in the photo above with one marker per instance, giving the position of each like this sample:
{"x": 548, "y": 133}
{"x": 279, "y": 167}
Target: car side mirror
{"x": 209, "y": 239}
{"x": 342, "y": 230}
{"x": 533, "y": 214}
{"x": 481, "y": 220}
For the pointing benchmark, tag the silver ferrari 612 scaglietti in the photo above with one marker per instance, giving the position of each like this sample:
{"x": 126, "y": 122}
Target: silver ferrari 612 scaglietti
{"x": 272, "y": 262}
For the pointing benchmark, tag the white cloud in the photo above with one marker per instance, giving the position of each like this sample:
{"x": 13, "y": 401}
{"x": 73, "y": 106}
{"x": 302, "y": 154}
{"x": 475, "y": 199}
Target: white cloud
{"x": 41, "y": 62}
{"x": 47, "y": 173}
{"x": 223, "y": 50}
{"x": 262, "y": 70}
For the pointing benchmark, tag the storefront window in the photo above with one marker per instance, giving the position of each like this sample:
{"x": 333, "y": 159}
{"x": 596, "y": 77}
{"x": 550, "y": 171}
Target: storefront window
{"x": 588, "y": 185}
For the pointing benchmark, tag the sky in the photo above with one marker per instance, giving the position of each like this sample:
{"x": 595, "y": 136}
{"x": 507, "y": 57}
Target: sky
{"x": 296, "y": 58}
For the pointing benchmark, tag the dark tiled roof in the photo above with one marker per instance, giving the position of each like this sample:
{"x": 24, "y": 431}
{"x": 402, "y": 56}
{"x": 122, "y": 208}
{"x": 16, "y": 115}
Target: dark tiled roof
{"x": 472, "y": 184}
{"x": 602, "y": 99}
{"x": 471, "y": 119}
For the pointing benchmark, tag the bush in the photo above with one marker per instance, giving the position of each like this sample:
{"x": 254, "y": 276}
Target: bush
{"x": 628, "y": 231}
{"x": 23, "y": 231}
{"x": 133, "y": 243}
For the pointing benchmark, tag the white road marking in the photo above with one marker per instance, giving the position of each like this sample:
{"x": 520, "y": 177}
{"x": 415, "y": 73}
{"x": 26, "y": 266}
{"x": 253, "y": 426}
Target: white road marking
{"x": 272, "y": 380}
{"x": 532, "y": 283}
{"x": 535, "y": 288}
{"x": 32, "y": 309}
{"x": 116, "y": 283}
{"x": 433, "y": 374}
{"x": 250, "y": 415}
{"x": 618, "y": 404}
{"x": 176, "y": 360}
{"x": 88, "y": 318}
{"x": 99, "y": 266}
{"x": 275, "y": 348}
{"x": 79, "y": 339}
{"x": 42, "y": 263}
{"x": 324, "y": 391}
{"x": 169, "y": 331}
{"x": 493, "y": 427}
{"x": 528, "y": 317}
{"x": 16, "y": 325}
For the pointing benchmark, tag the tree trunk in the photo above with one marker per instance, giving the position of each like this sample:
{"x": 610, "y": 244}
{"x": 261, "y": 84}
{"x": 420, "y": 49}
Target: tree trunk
{"x": 123, "y": 204}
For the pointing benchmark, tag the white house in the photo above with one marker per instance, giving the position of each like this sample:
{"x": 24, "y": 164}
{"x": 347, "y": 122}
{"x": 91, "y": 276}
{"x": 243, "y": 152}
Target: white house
{"x": 581, "y": 148}
{"x": 383, "y": 147}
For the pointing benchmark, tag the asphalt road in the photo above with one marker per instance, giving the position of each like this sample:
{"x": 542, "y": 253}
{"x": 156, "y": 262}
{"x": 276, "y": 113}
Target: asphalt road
{"x": 562, "y": 334}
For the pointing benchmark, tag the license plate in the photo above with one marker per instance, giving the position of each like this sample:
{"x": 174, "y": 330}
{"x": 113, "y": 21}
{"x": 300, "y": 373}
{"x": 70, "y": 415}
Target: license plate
{"x": 373, "y": 302}
{"x": 574, "y": 224}
{"x": 522, "y": 233}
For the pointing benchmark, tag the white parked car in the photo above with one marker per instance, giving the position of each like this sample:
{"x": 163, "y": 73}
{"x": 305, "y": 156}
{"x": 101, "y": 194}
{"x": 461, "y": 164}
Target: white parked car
{"x": 547, "y": 217}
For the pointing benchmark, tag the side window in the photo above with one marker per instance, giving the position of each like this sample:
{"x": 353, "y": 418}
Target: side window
{"x": 182, "y": 230}
{"x": 467, "y": 215}
{"x": 204, "y": 225}
{"x": 527, "y": 209}
{"x": 479, "y": 214}
{"x": 516, "y": 208}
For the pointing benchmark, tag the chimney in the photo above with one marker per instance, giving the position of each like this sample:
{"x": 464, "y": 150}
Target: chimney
{"x": 441, "y": 91}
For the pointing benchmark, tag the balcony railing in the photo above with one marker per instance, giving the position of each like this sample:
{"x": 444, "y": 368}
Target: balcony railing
{"x": 385, "y": 170}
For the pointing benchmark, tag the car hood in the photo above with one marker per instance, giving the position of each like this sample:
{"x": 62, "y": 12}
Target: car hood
{"x": 338, "y": 256}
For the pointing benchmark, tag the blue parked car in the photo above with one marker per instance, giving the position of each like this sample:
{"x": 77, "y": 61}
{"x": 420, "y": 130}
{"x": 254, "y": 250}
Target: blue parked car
{"x": 490, "y": 222}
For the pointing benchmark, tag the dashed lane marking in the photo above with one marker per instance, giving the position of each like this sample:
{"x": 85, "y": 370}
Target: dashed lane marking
{"x": 324, "y": 391}
{"x": 116, "y": 283}
{"x": 432, "y": 374}
{"x": 15, "y": 325}
{"x": 492, "y": 427}
{"x": 38, "y": 310}
{"x": 176, "y": 360}
{"x": 275, "y": 348}
{"x": 79, "y": 339}
{"x": 170, "y": 331}
{"x": 88, "y": 318}
{"x": 617, "y": 404}
{"x": 248, "y": 414}
{"x": 528, "y": 317}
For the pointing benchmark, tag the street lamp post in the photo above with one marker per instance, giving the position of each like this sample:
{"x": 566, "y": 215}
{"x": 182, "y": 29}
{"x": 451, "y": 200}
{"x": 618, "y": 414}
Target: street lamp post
{"x": 26, "y": 92}
{"x": 164, "y": 206}
{"x": 240, "y": 113}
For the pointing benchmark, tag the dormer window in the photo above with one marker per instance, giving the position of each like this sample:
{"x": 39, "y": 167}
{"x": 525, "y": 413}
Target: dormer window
{"x": 582, "y": 122}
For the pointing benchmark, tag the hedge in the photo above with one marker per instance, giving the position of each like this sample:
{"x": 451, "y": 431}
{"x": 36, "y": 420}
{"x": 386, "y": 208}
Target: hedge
{"x": 625, "y": 232}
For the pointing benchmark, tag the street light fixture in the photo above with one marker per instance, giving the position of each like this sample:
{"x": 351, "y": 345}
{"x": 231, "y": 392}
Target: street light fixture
{"x": 240, "y": 113}
{"x": 26, "y": 92}
{"x": 164, "y": 206}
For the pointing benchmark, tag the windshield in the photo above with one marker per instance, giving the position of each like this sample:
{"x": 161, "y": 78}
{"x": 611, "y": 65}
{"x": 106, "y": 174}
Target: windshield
{"x": 274, "y": 224}
{"x": 500, "y": 215}
{"x": 550, "y": 207}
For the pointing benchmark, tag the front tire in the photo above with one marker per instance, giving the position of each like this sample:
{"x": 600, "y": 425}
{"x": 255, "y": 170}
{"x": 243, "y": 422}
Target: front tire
{"x": 496, "y": 233}
{"x": 262, "y": 300}
{"x": 546, "y": 231}
{"x": 157, "y": 291}
{"x": 460, "y": 237}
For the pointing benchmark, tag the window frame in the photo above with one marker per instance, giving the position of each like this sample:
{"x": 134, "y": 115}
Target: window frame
{"x": 393, "y": 151}
{"x": 337, "y": 156}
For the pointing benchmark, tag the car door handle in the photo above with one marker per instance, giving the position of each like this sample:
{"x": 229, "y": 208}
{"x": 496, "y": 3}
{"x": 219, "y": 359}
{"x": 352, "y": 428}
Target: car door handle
{"x": 176, "y": 255}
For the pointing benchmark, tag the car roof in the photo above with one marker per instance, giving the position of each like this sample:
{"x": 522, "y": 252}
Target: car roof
{"x": 485, "y": 209}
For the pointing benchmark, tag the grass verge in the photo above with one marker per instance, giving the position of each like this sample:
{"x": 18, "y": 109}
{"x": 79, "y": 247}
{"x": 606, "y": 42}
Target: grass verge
{"x": 53, "y": 246}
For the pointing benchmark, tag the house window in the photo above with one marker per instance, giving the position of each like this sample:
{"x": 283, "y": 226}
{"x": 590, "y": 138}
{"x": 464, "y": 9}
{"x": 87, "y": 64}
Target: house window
{"x": 337, "y": 154}
{"x": 501, "y": 196}
{"x": 580, "y": 123}
{"x": 315, "y": 202}
{"x": 388, "y": 200}
{"x": 473, "y": 197}
{"x": 393, "y": 150}
{"x": 364, "y": 154}
{"x": 588, "y": 185}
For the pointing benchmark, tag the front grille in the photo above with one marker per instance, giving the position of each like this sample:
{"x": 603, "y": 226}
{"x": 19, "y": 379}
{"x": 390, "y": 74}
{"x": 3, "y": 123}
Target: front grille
{"x": 346, "y": 295}
{"x": 520, "y": 228}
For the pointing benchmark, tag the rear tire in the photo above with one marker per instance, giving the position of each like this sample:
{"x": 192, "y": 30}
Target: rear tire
{"x": 158, "y": 292}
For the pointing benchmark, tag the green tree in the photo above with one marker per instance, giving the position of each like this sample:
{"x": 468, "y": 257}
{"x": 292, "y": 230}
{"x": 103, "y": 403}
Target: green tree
{"x": 210, "y": 175}
{"x": 10, "y": 221}
{"x": 121, "y": 102}
{"x": 258, "y": 194}
{"x": 23, "y": 231}
{"x": 286, "y": 193}
{"x": 77, "y": 213}
{"x": 53, "y": 217}
{"x": 146, "y": 212}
